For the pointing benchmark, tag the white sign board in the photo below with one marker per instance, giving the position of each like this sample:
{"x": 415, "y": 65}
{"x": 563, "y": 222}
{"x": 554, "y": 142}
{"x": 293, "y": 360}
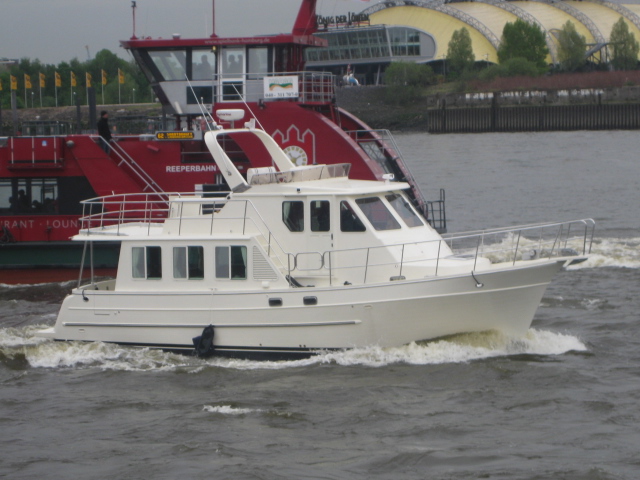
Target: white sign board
{"x": 281, "y": 87}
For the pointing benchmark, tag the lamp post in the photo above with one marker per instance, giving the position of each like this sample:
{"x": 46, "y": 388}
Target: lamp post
{"x": 134, "y": 95}
{"x": 444, "y": 67}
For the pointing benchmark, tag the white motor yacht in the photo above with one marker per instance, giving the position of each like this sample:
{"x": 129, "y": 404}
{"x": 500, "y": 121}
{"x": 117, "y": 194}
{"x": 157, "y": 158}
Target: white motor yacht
{"x": 300, "y": 259}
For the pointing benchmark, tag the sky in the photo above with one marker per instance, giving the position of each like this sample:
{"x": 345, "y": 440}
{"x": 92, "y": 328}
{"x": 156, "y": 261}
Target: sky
{"x": 55, "y": 31}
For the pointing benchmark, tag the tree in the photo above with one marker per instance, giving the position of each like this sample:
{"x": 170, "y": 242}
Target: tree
{"x": 409, "y": 74}
{"x": 460, "y": 55}
{"x": 571, "y": 47}
{"x": 624, "y": 46}
{"x": 526, "y": 40}
{"x": 408, "y": 78}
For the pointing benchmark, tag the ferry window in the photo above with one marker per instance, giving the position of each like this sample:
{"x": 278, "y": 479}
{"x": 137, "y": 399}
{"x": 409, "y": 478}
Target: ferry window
{"x": 257, "y": 62}
{"x": 377, "y": 213}
{"x": 172, "y": 64}
{"x": 188, "y": 262}
{"x": 146, "y": 262}
{"x": 29, "y": 195}
{"x": 320, "y": 219}
{"x": 233, "y": 62}
{"x": 402, "y": 208}
{"x": 349, "y": 221}
{"x": 293, "y": 215}
{"x": 231, "y": 262}
{"x": 6, "y": 196}
{"x": 203, "y": 64}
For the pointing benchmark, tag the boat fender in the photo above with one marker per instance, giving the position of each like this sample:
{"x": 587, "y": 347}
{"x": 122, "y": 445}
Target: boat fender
{"x": 204, "y": 343}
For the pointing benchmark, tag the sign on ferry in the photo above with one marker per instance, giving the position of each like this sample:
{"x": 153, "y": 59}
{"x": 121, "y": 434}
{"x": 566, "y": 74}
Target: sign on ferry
{"x": 281, "y": 87}
{"x": 175, "y": 136}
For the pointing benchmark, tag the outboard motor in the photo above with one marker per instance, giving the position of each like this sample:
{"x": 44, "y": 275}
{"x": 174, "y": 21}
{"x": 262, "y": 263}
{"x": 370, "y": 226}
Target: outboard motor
{"x": 204, "y": 343}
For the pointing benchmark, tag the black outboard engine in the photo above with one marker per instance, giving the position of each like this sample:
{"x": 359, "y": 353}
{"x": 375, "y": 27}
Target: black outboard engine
{"x": 204, "y": 343}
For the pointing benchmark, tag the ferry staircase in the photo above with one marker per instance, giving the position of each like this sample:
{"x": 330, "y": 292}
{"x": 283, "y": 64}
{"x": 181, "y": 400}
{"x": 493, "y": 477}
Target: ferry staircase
{"x": 113, "y": 173}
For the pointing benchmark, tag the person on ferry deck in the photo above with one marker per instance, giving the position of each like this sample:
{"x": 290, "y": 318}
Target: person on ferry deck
{"x": 104, "y": 131}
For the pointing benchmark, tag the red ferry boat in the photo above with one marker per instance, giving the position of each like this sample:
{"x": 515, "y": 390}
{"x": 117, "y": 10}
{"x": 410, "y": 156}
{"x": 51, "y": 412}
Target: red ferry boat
{"x": 44, "y": 177}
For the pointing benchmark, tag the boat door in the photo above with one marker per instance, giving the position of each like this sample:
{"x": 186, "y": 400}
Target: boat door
{"x": 320, "y": 237}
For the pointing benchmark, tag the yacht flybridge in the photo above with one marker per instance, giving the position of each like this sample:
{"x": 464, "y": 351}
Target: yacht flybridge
{"x": 300, "y": 259}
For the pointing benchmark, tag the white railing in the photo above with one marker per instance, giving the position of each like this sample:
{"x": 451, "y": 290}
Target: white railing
{"x": 367, "y": 264}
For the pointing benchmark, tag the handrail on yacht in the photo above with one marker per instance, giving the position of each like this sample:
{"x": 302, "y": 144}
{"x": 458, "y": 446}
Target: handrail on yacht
{"x": 512, "y": 244}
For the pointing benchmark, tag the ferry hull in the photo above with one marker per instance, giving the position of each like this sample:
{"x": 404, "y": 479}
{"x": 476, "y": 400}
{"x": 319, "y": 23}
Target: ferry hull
{"x": 246, "y": 326}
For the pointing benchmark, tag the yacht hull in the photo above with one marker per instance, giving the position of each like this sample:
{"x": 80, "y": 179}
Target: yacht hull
{"x": 298, "y": 322}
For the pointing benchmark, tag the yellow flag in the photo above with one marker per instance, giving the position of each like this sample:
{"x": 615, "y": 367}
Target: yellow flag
{"x": 27, "y": 81}
{"x": 104, "y": 77}
{"x": 14, "y": 83}
{"x": 88, "y": 77}
{"x": 58, "y": 80}
{"x": 42, "y": 83}
{"x": 73, "y": 80}
{"x": 120, "y": 76}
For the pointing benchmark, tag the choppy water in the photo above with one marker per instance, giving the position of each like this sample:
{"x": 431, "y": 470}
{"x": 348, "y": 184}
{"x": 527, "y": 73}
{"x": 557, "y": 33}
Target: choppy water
{"x": 561, "y": 402}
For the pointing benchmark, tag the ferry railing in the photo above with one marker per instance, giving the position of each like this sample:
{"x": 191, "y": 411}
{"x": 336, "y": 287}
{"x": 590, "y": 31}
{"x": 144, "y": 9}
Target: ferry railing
{"x": 313, "y": 87}
{"x": 34, "y": 152}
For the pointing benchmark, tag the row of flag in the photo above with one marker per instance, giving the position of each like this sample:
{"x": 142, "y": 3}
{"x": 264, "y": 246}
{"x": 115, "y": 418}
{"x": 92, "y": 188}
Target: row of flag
{"x": 58, "y": 80}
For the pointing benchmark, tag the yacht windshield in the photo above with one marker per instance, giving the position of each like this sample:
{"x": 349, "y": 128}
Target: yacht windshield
{"x": 402, "y": 208}
{"x": 377, "y": 213}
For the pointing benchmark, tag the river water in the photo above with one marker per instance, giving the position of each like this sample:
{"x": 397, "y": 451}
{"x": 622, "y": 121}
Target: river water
{"x": 559, "y": 403}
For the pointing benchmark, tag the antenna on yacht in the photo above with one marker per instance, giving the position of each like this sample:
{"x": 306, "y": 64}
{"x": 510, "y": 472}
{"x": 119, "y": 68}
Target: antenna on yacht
{"x": 248, "y": 107}
{"x": 211, "y": 121}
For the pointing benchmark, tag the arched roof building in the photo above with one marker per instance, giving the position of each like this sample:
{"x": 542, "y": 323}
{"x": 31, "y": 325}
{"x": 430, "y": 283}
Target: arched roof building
{"x": 429, "y": 25}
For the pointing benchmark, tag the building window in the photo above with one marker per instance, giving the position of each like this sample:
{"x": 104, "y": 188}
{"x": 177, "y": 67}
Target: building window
{"x": 231, "y": 262}
{"x": 146, "y": 262}
{"x": 188, "y": 262}
{"x": 293, "y": 215}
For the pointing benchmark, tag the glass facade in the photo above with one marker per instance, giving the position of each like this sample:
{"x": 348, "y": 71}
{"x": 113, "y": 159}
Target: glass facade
{"x": 377, "y": 42}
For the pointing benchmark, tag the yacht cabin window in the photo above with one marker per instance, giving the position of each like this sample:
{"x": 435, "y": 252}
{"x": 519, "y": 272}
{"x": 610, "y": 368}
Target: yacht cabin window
{"x": 320, "y": 217}
{"x": 404, "y": 210}
{"x": 377, "y": 213}
{"x": 349, "y": 221}
{"x": 293, "y": 215}
{"x": 231, "y": 262}
{"x": 188, "y": 262}
{"x": 146, "y": 262}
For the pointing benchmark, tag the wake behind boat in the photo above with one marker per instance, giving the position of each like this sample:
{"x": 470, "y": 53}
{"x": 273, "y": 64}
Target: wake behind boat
{"x": 300, "y": 259}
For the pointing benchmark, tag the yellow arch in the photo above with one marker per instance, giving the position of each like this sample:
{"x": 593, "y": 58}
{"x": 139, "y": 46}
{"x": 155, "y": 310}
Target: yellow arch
{"x": 440, "y": 25}
{"x": 604, "y": 17}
